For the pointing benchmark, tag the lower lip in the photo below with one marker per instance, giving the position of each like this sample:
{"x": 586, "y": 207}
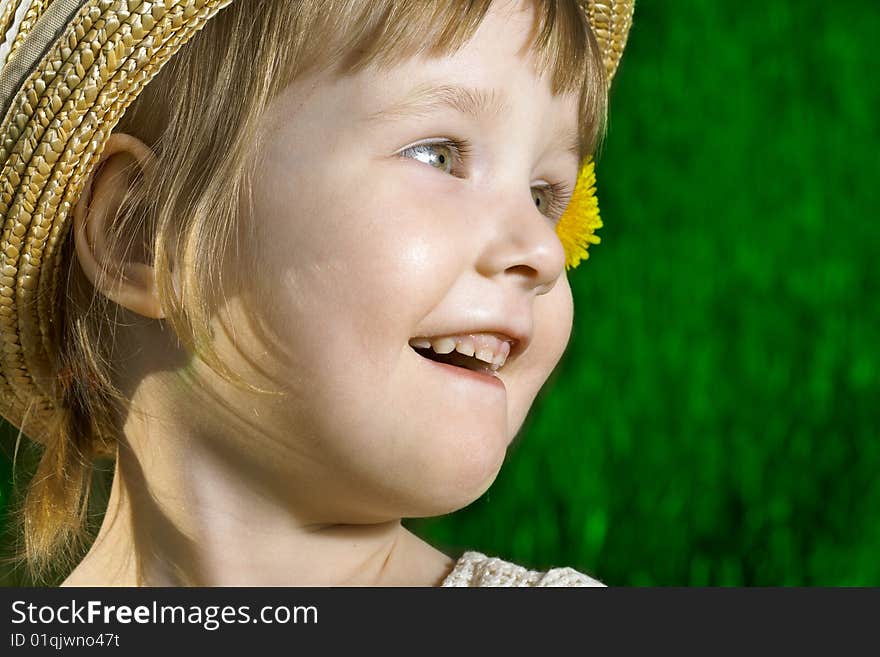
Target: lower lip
{"x": 482, "y": 377}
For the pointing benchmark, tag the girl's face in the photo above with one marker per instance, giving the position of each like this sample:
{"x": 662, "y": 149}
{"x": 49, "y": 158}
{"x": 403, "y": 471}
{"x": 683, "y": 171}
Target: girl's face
{"x": 366, "y": 243}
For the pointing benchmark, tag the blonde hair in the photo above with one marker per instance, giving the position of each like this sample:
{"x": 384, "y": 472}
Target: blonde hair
{"x": 207, "y": 135}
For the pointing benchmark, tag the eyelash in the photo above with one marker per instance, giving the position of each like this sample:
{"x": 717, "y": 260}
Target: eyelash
{"x": 560, "y": 192}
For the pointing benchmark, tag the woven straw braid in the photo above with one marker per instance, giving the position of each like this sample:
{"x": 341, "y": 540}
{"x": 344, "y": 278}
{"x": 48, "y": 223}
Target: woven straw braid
{"x": 7, "y": 15}
{"x": 54, "y": 131}
{"x": 36, "y": 9}
{"x": 610, "y": 20}
{"x": 52, "y": 135}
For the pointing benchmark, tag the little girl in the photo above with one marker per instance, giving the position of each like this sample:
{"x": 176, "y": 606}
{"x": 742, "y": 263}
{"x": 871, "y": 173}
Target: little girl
{"x": 306, "y": 282}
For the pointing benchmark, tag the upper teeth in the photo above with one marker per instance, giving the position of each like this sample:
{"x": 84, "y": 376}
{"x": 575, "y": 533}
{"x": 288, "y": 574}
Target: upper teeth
{"x": 486, "y": 347}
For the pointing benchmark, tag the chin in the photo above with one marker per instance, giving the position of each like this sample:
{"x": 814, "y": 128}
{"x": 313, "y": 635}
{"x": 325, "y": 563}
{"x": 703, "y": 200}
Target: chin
{"x": 458, "y": 484}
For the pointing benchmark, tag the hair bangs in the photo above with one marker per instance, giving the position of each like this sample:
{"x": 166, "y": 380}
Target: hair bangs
{"x": 562, "y": 46}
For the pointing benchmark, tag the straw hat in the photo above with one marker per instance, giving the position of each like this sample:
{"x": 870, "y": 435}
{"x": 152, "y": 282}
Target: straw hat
{"x": 68, "y": 70}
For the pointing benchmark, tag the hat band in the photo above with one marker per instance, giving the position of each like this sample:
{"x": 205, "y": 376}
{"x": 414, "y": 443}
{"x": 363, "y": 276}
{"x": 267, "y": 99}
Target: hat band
{"x": 34, "y": 46}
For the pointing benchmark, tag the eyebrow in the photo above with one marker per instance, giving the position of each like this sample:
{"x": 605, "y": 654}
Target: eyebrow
{"x": 469, "y": 101}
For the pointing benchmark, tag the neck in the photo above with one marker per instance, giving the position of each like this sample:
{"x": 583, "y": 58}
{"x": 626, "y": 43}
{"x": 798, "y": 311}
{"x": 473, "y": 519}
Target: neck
{"x": 183, "y": 517}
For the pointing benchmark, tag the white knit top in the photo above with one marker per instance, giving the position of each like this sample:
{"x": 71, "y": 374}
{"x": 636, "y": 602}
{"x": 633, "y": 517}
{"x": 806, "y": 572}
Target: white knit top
{"x": 476, "y": 569}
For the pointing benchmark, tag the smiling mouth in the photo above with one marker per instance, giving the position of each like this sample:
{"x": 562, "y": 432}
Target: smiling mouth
{"x": 456, "y": 359}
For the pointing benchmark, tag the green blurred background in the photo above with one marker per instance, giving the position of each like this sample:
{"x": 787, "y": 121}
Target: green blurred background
{"x": 715, "y": 420}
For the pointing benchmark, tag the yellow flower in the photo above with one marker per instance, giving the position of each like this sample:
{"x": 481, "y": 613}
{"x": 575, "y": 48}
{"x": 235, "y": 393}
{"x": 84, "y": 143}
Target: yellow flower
{"x": 581, "y": 217}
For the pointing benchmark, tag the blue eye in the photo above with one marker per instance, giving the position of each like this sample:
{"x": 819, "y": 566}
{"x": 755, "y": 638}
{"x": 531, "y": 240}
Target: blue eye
{"x": 449, "y": 155}
{"x": 445, "y": 155}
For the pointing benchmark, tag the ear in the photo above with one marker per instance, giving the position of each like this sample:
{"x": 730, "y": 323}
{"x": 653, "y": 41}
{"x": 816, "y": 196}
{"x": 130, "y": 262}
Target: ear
{"x": 126, "y": 281}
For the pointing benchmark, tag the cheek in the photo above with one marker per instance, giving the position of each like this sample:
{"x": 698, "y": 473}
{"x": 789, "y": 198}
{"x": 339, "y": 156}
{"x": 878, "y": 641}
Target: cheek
{"x": 554, "y": 314}
{"x": 345, "y": 278}
{"x": 370, "y": 248}
{"x": 559, "y": 315}
{"x": 553, "y": 317}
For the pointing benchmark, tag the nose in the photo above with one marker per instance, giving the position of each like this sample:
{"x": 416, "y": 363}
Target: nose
{"x": 524, "y": 244}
